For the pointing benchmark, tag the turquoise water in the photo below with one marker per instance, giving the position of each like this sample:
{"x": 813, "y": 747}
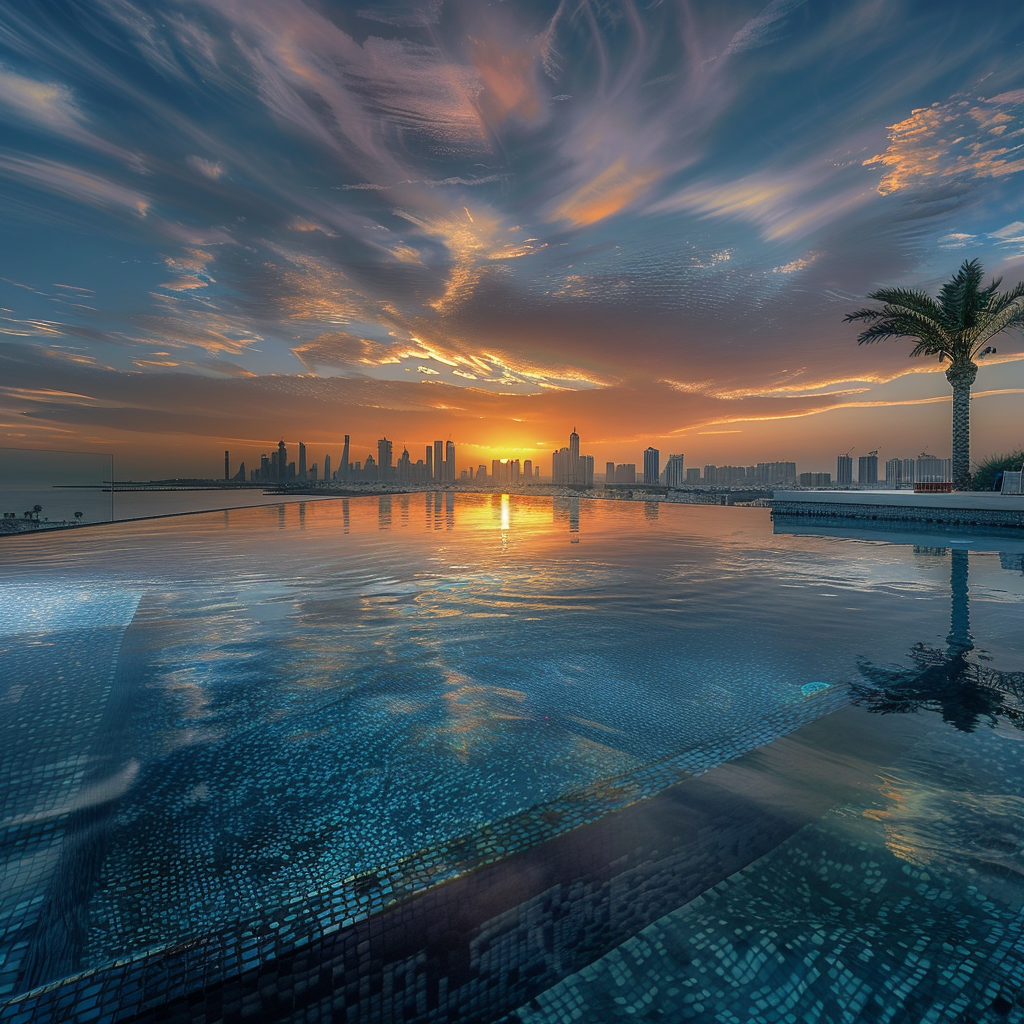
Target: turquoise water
{"x": 209, "y": 719}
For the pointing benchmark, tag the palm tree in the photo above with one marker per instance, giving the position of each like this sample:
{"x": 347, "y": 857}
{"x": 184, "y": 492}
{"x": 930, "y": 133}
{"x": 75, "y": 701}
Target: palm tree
{"x": 955, "y": 327}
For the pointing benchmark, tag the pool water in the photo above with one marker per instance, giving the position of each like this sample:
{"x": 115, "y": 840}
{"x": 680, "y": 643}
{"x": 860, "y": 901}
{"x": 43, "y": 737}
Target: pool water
{"x": 279, "y": 721}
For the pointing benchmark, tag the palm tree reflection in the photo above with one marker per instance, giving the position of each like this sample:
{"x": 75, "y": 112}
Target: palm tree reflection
{"x": 953, "y": 682}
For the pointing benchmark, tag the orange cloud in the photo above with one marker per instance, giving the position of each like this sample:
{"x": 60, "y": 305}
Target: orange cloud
{"x": 610, "y": 191}
{"x": 185, "y": 283}
{"x": 961, "y": 138}
{"x": 509, "y": 81}
{"x": 340, "y": 349}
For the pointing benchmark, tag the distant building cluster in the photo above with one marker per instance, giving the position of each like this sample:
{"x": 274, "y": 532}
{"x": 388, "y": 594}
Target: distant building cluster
{"x": 925, "y": 469}
{"x": 570, "y": 468}
{"x": 763, "y": 474}
{"x": 438, "y": 464}
{"x": 898, "y": 472}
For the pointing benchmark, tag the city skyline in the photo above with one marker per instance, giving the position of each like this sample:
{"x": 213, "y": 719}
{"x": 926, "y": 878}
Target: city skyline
{"x": 487, "y": 222}
{"x": 572, "y": 468}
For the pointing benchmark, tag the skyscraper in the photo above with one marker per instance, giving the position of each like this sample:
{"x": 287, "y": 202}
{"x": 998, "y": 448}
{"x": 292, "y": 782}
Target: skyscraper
{"x": 302, "y": 461}
{"x": 227, "y": 465}
{"x": 439, "y": 460}
{"x": 384, "y": 459}
{"x": 844, "y": 470}
{"x": 449, "y": 462}
{"x": 674, "y": 471}
{"x": 652, "y": 469}
{"x": 327, "y": 469}
{"x": 282, "y": 461}
{"x": 574, "y": 459}
{"x": 609, "y": 472}
{"x": 585, "y": 471}
{"x": 560, "y": 467}
{"x": 345, "y": 469}
{"x": 430, "y": 462}
{"x": 867, "y": 470}
{"x": 528, "y": 470}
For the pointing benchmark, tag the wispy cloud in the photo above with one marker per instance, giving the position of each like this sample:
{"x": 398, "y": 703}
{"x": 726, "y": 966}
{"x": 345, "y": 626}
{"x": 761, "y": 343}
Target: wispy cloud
{"x": 76, "y": 184}
{"x": 51, "y": 107}
{"x": 763, "y": 30}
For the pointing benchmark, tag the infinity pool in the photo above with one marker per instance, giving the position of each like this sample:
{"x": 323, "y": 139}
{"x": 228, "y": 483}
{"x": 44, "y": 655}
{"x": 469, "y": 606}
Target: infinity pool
{"x": 228, "y": 740}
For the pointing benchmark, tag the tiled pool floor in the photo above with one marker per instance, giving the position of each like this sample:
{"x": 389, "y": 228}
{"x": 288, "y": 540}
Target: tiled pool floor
{"x": 905, "y": 909}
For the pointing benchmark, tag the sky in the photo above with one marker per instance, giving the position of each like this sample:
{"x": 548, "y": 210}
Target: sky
{"x": 227, "y": 222}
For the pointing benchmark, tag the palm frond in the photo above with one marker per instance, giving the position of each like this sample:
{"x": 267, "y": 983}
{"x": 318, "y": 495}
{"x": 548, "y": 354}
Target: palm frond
{"x": 1008, "y": 316}
{"x": 924, "y": 348}
{"x": 962, "y": 296}
{"x": 1000, "y": 301}
{"x": 900, "y": 322}
{"x": 910, "y": 299}
{"x": 868, "y": 315}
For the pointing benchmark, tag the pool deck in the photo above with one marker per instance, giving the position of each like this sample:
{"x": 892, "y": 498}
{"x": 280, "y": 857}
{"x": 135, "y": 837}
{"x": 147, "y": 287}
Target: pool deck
{"x": 961, "y": 508}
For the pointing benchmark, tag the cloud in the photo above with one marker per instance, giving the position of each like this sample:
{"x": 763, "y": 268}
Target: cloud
{"x": 766, "y": 28}
{"x": 75, "y": 183}
{"x": 960, "y": 140}
{"x": 51, "y": 106}
{"x": 957, "y": 240}
{"x": 213, "y": 169}
{"x": 794, "y": 202}
{"x": 609, "y": 192}
{"x": 191, "y": 268}
{"x": 340, "y": 350}
{"x": 407, "y": 14}
{"x": 509, "y": 80}
{"x": 180, "y": 324}
{"x": 800, "y": 263}
{"x": 473, "y": 241}
{"x": 185, "y": 283}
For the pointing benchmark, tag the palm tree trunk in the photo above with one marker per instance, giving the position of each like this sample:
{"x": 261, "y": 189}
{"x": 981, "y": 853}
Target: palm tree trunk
{"x": 961, "y": 377}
